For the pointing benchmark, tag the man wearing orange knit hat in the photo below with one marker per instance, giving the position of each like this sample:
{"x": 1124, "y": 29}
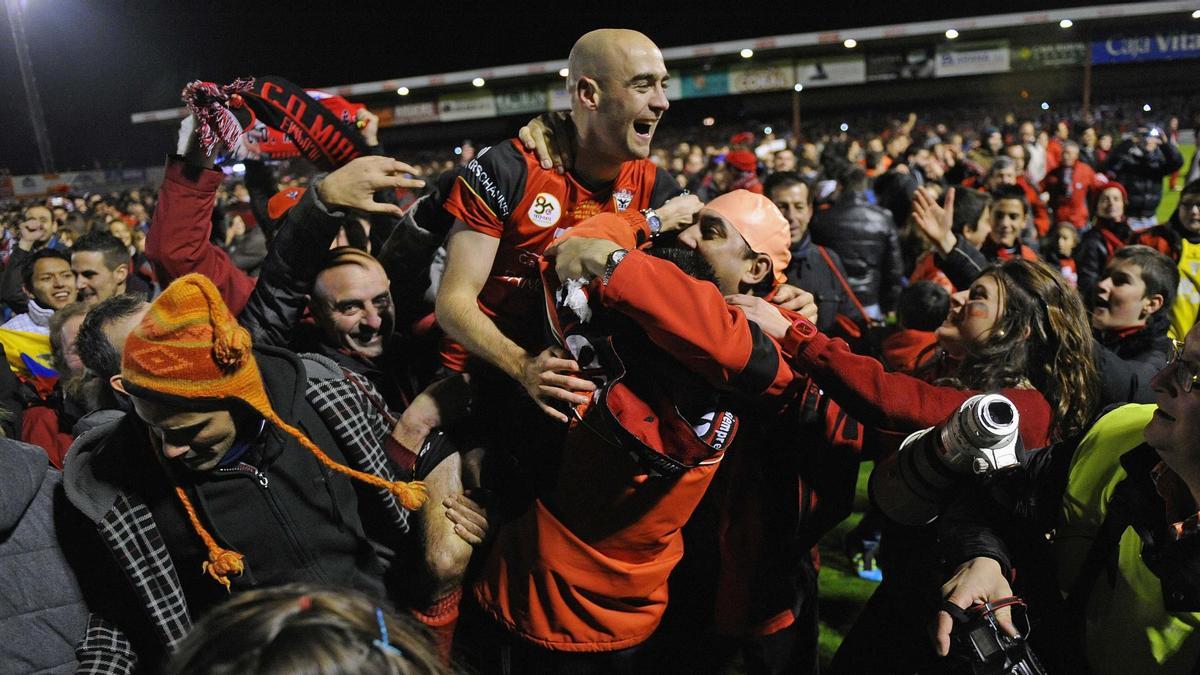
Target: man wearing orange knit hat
{"x": 226, "y": 477}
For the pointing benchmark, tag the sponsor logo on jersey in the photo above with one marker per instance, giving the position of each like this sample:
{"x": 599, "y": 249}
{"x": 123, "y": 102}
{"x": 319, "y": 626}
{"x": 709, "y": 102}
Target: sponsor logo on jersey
{"x": 622, "y": 198}
{"x": 545, "y": 210}
{"x": 484, "y": 186}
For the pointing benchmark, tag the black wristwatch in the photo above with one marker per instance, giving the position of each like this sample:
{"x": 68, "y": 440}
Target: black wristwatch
{"x": 614, "y": 259}
{"x": 654, "y": 221}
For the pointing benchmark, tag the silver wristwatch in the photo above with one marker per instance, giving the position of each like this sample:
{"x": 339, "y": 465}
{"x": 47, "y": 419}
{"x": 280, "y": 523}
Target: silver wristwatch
{"x": 653, "y": 221}
{"x": 614, "y": 259}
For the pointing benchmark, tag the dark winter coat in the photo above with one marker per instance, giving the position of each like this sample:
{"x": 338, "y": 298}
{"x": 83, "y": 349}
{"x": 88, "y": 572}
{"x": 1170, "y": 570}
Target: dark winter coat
{"x": 867, "y": 241}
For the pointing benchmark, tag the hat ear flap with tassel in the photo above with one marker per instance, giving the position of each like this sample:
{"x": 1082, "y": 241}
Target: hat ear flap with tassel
{"x": 189, "y": 346}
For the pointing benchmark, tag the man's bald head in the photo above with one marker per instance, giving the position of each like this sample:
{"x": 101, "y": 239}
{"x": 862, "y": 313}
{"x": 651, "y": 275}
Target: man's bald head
{"x": 616, "y": 79}
{"x": 598, "y": 54}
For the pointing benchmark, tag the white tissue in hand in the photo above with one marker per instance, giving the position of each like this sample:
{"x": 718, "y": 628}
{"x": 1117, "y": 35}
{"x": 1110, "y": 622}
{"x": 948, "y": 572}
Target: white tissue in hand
{"x": 575, "y": 299}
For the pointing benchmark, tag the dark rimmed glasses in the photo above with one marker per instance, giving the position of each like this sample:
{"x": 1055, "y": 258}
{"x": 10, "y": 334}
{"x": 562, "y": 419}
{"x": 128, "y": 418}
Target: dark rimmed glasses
{"x": 1184, "y": 375}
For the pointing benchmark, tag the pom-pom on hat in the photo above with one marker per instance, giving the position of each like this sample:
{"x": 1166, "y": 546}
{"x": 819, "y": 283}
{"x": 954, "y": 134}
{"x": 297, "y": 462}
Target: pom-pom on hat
{"x": 760, "y": 223}
{"x": 189, "y": 346}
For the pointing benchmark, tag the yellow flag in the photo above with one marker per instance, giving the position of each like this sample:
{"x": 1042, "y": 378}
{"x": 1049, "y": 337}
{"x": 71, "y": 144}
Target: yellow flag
{"x": 32, "y": 345}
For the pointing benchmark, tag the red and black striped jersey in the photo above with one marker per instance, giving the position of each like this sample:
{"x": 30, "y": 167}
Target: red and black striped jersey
{"x": 505, "y": 193}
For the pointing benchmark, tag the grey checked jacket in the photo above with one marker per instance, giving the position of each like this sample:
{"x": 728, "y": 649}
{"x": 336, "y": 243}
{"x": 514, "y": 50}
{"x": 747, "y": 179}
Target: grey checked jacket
{"x": 125, "y": 524}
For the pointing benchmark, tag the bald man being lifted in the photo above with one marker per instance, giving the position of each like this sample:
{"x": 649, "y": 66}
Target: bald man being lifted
{"x": 508, "y": 209}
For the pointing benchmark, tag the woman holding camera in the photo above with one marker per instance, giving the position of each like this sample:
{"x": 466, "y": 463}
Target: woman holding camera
{"x": 1019, "y": 330}
{"x": 1117, "y": 515}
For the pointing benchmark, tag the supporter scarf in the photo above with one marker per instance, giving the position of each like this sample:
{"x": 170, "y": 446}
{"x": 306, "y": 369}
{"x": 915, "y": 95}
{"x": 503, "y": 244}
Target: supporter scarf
{"x": 319, "y": 134}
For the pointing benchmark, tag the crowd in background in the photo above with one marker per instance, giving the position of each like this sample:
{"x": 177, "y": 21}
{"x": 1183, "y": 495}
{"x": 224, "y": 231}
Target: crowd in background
{"x": 891, "y": 268}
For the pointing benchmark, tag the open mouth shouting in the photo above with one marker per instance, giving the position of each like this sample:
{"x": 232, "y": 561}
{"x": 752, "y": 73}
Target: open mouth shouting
{"x": 644, "y": 129}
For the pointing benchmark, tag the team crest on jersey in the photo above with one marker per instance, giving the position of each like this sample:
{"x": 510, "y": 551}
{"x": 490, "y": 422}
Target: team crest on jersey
{"x": 623, "y": 198}
{"x": 545, "y": 210}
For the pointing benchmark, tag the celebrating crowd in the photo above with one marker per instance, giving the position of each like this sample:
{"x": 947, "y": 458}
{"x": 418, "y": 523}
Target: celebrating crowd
{"x": 574, "y": 404}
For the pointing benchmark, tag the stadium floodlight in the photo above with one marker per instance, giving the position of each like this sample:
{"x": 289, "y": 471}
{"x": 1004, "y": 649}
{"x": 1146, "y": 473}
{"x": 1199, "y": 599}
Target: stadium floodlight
{"x": 403, "y": 91}
{"x": 1066, "y": 23}
{"x": 562, "y": 72}
{"x": 747, "y": 53}
{"x": 798, "y": 87}
{"x": 951, "y": 34}
{"x": 850, "y": 43}
{"x": 478, "y": 82}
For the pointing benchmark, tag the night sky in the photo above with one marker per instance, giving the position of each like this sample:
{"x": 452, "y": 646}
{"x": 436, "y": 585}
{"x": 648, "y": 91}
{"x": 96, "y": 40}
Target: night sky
{"x": 98, "y": 61}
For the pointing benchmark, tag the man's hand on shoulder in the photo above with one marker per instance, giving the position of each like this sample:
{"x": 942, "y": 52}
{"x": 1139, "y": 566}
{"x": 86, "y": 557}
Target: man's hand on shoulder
{"x": 678, "y": 213}
{"x": 796, "y": 300}
{"x": 551, "y": 137}
{"x": 768, "y": 317}
{"x": 354, "y": 185}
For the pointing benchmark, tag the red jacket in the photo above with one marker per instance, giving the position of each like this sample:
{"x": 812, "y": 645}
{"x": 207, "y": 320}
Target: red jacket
{"x": 1041, "y": 217}
{"x": 895, "y": 401}
{"x": 585, "y": 568}
{"x": 1069, "y": 203}
{"x": 926, "y": 269}
{"x": 178, "y": 242}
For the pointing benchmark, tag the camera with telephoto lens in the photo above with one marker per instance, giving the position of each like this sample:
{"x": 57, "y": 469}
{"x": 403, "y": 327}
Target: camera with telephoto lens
{"x": 980, "y": 642}
{"x": 981, "y": 437}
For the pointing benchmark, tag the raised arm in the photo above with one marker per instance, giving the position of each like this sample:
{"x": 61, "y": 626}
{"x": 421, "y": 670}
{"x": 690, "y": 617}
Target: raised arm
{"x": 178, "y": 242}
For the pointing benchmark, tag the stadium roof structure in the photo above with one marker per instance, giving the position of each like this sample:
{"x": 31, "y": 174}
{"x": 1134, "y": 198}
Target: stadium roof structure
{"x": 822, "y": 40}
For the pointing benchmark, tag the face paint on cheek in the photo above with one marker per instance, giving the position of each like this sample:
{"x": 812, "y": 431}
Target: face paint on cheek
{"x": 976, "y": 310}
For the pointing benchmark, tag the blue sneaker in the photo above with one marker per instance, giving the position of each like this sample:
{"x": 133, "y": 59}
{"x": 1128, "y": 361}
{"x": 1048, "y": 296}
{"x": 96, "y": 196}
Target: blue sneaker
{"x": 865, "y": 567}
{"x": 862, "y": 556}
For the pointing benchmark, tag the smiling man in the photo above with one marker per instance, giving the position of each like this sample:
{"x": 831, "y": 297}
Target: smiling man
{"x": 509, "y": 207}
{"x": 1010, "y": 210}
{"x": 102, "y": 266}
{"x": 50, "y": 286}
{"x": 352, "y": 304}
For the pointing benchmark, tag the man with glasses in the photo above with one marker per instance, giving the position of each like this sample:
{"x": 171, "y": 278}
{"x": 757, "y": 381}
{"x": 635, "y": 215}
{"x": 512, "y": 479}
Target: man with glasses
{"x": 1123, "y": 533}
